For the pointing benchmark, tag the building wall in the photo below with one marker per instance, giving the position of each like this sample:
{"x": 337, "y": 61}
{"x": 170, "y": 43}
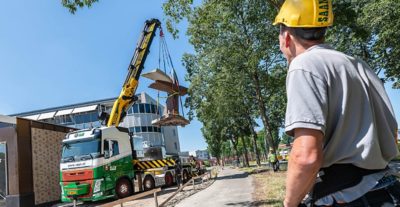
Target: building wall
{"x": 25, "y": 169}
{"x": 202, "y": 154}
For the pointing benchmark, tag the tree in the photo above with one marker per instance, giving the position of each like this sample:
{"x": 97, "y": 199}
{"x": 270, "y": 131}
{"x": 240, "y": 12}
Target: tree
{"x": 229, "y": 38}
{"x": 368, "y": 29}
{"x": 72, "y": 5}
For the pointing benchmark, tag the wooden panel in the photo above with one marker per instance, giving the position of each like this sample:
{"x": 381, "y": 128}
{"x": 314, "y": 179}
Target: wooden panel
{"x": 46, "y": 145}
{"x": 24, "y": 156}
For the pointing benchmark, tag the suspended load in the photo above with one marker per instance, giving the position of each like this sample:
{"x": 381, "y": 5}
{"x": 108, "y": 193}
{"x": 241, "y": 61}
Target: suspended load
{"x": 170, "y": 85}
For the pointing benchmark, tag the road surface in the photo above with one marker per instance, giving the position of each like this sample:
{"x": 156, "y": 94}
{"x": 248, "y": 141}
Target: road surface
{"x": 232, "y": 188}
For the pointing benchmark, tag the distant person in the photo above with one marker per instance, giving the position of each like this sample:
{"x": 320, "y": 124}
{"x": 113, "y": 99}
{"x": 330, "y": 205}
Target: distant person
{"x": 178, "y": 172}
{"x": 273, "y": 160}
{"x": 339, "y": 114}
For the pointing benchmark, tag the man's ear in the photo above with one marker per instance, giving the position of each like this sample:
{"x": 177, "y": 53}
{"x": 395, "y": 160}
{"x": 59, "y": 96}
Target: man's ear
{"x": 288, "y": 39}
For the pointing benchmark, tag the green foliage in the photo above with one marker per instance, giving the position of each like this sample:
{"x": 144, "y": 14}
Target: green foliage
{"x": 207, "y": 163}
{"x": 72, "y": 5}
{"x": 286, "y": 139}
{"x": 369, "y": 30}
{"x": 236, "y": 74}
{"x": 176, "y": 11}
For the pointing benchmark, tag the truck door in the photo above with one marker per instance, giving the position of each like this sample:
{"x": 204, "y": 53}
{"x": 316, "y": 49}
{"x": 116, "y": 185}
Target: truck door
{"x": 112, "y": 165}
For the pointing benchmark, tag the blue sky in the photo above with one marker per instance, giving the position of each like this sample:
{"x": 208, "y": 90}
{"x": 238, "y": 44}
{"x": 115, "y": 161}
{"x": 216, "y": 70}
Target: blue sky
{"x": 49, "y": 57}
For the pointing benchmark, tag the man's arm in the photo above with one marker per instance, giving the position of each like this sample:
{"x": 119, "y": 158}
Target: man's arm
{"x": 304, "y": 162}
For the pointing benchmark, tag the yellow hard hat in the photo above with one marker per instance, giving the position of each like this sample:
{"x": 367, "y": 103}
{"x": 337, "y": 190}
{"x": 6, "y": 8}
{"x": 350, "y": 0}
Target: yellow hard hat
{"x": 305, "y": 13}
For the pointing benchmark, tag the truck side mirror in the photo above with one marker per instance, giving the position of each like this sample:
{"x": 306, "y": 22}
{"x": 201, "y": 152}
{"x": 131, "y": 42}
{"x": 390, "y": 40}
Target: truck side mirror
{"x": 108, "y": 152}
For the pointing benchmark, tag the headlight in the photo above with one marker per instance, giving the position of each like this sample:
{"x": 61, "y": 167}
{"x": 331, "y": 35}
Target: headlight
{"x": 97, "y": 186}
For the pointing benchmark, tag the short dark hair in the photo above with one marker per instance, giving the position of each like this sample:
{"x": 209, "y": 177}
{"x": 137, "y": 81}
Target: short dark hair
{"x": 311, "y": 34}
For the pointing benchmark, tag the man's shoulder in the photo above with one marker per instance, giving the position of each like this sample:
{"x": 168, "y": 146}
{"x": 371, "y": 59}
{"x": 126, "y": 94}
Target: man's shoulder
{"x": 316, "y": 60}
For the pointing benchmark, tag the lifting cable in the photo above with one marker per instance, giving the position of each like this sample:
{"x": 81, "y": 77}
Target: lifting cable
{"x": 167, "y": 63}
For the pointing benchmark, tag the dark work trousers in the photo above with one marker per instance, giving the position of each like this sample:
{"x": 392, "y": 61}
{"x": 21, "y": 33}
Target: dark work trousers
{"x": 385, "y": 197}
{"x": 178, "y": 179}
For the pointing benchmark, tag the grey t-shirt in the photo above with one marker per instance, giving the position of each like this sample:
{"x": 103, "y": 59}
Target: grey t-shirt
{"x": 344, "y": 99}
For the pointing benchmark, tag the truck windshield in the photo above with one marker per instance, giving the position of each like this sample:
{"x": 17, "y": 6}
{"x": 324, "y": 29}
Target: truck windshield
{"x": 74, "y": 151}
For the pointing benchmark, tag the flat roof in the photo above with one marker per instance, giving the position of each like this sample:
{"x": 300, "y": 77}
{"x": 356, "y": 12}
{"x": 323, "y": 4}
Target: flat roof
{"x": 62, "y": 109}
{"x": 8, "y": 119}
{"x": 59, "y": 108}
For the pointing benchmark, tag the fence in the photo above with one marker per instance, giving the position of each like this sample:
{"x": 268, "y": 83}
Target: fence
{"x": 120, "y": 202}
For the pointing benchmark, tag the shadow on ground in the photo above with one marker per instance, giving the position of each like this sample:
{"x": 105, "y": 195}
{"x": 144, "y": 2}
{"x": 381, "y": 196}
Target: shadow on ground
{"x": 267, "y": 202}
{"x": 235, "y": 176}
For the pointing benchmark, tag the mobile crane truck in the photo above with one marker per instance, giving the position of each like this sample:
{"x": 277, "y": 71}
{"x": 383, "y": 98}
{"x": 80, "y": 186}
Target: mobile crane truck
{"x": 100, "y": 163}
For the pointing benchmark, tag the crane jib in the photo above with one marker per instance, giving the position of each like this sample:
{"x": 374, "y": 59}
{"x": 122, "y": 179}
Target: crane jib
{"x": 126, "y": 97}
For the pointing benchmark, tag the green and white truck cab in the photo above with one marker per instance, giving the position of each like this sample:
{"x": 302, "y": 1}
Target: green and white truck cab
{"x": 97, "y": 164}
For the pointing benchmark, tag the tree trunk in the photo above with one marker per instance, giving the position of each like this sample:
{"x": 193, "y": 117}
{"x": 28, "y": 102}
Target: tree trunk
{"x": 235, "y": 145}
{"x": 254, "y": 136}
{"x": 263, "y": 113}
{"x": 246, "y": 158}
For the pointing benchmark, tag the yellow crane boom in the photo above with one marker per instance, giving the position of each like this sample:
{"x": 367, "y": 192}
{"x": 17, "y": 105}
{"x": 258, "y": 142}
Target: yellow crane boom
{"x": 127, "y": 96}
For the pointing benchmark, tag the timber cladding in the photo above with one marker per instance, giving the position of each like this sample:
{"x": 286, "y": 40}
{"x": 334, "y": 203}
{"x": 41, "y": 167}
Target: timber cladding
{"x": 46, "y": 155}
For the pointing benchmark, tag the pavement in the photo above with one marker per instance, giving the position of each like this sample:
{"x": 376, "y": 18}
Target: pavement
{"x": 231, "y": 188}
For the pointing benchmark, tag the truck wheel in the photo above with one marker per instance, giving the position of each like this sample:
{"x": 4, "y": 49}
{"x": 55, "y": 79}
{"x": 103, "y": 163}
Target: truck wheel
{"x": 123, "y": 188}
{"x": 148, "y": 183}
{"x": 169, "y": 180}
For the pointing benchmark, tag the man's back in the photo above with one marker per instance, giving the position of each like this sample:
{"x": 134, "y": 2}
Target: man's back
{"x": 341, "y": 96}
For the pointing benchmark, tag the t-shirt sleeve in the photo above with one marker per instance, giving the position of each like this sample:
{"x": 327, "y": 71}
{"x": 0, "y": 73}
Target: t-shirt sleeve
{"x": 307, "y": 105}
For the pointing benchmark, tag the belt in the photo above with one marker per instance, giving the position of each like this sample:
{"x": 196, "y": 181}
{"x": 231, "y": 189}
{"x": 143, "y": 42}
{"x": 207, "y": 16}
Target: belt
{"x": 387, "y": 195}
{"x": 338, "y": 177}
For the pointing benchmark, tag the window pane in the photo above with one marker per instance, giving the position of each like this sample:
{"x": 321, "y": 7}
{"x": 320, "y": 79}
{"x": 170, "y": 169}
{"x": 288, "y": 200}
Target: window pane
{"x": 135, "y": 108}
{"x": 148, "y": 108}
{"x": 152, "y": 109}
{"x": 132, "y": 129}
{"x": 93, "y": 117}
{"x": 86, "y": 118}
{"x": 141, "y": 107}
{"x": 78, "y": 119}
{"x": 3, "y": 172}
{"x": 144, "y": 129}
{"x": 137, "y": 129}
{"x": 150, "y": 129}
{"x": 115, "y": 148}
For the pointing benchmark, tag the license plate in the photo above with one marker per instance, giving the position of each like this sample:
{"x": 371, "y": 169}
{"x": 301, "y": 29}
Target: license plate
{"x": 72, "y": 193}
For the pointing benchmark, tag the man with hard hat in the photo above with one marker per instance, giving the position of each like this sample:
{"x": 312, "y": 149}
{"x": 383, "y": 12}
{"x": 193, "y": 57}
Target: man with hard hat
{"x": 341, "y": 118}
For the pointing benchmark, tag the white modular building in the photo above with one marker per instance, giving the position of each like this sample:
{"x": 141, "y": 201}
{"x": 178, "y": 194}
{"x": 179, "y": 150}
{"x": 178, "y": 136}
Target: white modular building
{"x": 138, "y": 119}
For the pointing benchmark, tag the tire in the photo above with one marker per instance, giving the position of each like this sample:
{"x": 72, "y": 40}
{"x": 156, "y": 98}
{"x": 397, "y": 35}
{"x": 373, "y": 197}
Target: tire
{"x": 148, "y": 183}
{"x": 123, "y": 188}
{"x": 169, "y": 180}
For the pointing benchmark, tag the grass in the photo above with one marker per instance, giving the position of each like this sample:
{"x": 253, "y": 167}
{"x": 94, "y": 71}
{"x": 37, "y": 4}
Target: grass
{"x": 270, "y": 188}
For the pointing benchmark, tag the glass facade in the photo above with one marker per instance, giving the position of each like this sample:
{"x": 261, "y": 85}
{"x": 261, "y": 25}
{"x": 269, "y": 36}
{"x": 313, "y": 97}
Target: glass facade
{"x": 138, "y": 119}
{"x": 144, "y": 108}
{"x": 3, "y": 171}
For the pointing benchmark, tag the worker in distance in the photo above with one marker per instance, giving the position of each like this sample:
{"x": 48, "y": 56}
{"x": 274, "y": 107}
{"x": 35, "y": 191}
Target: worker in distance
{"x": 340, "y": 115}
